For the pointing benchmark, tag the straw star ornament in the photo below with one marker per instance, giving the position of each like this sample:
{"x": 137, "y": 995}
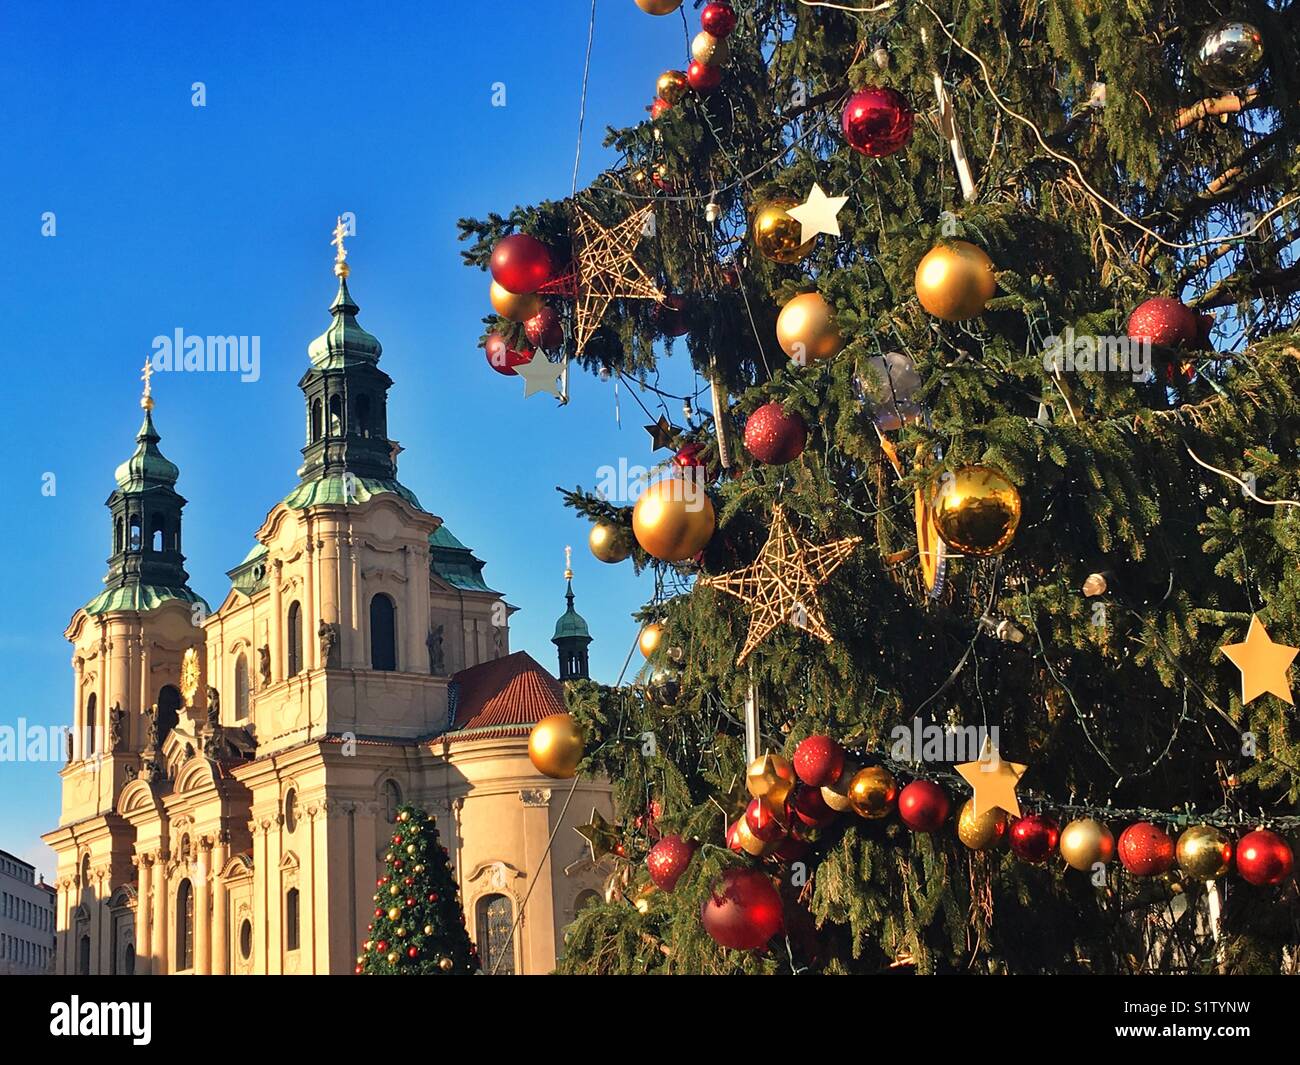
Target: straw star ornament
{"x": 780, "y": 586}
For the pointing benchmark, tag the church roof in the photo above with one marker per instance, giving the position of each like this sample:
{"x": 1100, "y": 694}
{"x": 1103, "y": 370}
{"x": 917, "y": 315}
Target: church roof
{"x": 571, "y": 624}
{"x": 344, "y": 343}
{"x": 147, "y": 466}
{"x": 332, "y": 489}
{"x": 506, "y": 696}
{"x": 135, "y": 596}
{"x": 455, "y": 563}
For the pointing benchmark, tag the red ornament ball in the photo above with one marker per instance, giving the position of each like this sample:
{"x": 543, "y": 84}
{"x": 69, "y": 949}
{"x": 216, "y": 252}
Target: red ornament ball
{"x": 774, "y": 437}
{"x": 502, "y": 357}
{"x": 382, "y": 945}
{"x": 668, "y": 860}
{"x": 764, "y": 821}
{"x": 688, "y": 458}
{"x": 1264, "y": 858}
{"x": 1146, "y": 849}
{"x": 818, "y": 760}
{"x": 433, "y": 896}
{"x": 809, "y": 808}
{"x": 703, "y": 77}
{"x": 1034, "y": 838}
{"x": 718, "y": 19}
{"x": 877, "y": 121}
{"x": 413, "y": 952}
{"x": 1164, "y": 322}
{"x": 923, "y": 806}
{"x": 379, "y": 913}
{"x": 733, "y": 837}
{"x": 544, "y": 330}
{"x": 521, "y": 264}
{"x": 743, "y": 912}
{"x": 659, "y": 107}
{"x": 670, "y": 317}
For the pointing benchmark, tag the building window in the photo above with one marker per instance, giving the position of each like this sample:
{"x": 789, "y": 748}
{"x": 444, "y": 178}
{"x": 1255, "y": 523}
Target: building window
{"x": 363, "y": 415}
{"x": 336, "y": 415}
{"x": 383, "y": 633}
{"x": 246, "y": 939}
{"x": 128, "y": 960}
{"x": 156, "y": 534}
{"x": 392, "y": 800}
{"x": 91, "y": 704}
{"x": 295, "y": 638}
{"x": 241, "y": 687}
{"x": 496, "y": 944}
{"x": 169, "y": 708}
{"x": 291, "y": 810}
{"x": 185, "y": 926}
{"x": 117, "y": 535}
{"x": 83, "y": 955}
{"x": 315, "y": 420}
{"x": 135, "y": 532}
{"x": 291, "y": 919}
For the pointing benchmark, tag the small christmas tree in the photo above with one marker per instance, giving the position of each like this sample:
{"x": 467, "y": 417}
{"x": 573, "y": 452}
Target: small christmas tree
{"x": 419, "y": 927}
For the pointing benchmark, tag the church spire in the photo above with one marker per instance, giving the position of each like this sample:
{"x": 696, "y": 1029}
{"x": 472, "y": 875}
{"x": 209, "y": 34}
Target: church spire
{"x": 572, "y": 637}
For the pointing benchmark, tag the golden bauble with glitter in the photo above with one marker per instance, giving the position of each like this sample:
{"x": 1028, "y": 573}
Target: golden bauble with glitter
{"x": 428, "y": 930}
{"x": 770, "y": 777}
{"x": 954, "y": 281}
{"x": 394, "y": 913}
{"x": 419, "y": 869}
{"x": 610, "y": 542}
{"x": 673, "y": 520}
{"x": 393, "y": 888}
{"x": 976, "y": 511}
{"x": 672, "y": 86}
{"x": 650, "y": 639}
{"x": 806, "y": 330}
{"x": 392, "y": 957}
{"x": 555, "y": 746}
{"x": 445, "y": 964}
{"x": 512, "y": 305}
{"x": 983, "y": 832}
{"x": 410, "y": 848}
{"x": 1204, "y": 852}
{"x": 873, "y": 792}
{"x": 1086, "y": 843}
{"x": 658, "y": 7}
{"x": 401, "y": 932}
{"x": 776, "y": 235}
{"x": 709, "y": 50}
{"x": 404, "y": 816}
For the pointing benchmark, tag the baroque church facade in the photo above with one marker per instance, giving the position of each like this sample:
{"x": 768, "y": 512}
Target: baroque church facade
{"x": 233, "y": 774}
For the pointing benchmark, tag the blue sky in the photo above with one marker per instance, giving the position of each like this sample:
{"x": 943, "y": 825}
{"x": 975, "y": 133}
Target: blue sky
{"x": 217, "y": 220}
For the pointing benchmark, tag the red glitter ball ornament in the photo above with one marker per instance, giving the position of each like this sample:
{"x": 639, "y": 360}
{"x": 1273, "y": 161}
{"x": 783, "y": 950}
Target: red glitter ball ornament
{"x": 502, "y": 357}
{"x": 718, "y": 19}
{"x": 764, "y": 821}
{"x": 1034, "y": 838}
{"x": 544, "y": 330}
{"x": 877, "y": 121}
{"x": 668, "y": 860}
{"x": 819, "y": 761}
{"x": 659, "y": 107}
{"x": 1264, "y": 858}
{"x": 923, "y": 806}
{"x": 1146, "y": 849}
{"x": 688, "y": 458}
{"x": 520, "y": 263}
{"x": 744, "y": 910}
{"x": 1164, "y": 322}
{"x": 773, "y": 436}
{"x": 703, "y": 77}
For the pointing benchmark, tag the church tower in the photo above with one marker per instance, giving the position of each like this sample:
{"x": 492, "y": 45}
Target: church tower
{"x": 572, "y": 636}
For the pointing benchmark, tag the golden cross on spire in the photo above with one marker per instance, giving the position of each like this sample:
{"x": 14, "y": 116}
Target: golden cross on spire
{"x": 341, "y": 254}
{"x": 568, "y": 563}
{"x": 146, "y": 400}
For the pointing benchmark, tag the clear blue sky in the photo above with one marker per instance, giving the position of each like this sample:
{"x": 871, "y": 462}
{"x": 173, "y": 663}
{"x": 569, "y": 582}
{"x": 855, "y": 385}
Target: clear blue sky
{"x": 217, "y": 220}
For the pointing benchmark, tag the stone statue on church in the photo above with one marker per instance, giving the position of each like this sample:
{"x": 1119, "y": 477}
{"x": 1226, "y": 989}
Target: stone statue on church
{"x": 437, "y": 661}
{"x": 67, "y": 742}
{"x": 264, "y": 664}
{"x": 116, "y": 721}
{"x": 151, "y": 729}
{"x": 214, "y": 708}
{"x": 328, "y": 632}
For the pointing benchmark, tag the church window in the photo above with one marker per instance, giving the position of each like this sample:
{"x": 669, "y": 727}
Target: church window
{"x": 336, "y": 415}
{"x": 291, "y": 919}
{"x": 135, "y": 532}
{"x": 90, "y": 724}
{"x": 291, "y": 810}
{"x": 83, "y": 956}
{"x": 495, "y": 925}
{"x": 128, "y": 960}
{"x": 295, "y": 638}
{"x": 117, "y": 535}
{"x": 363, "y": 415}
{"x": 315, "y": 420}
{"x": 185, "y": 926}
{"x": 392, "y": 800}
{"x": 169, "y": 706}
{"x": 383, "y": 633}
{"x": 156, "y": 533}
{"x": 241, "y": 686}
{"x": 246, "y": 939}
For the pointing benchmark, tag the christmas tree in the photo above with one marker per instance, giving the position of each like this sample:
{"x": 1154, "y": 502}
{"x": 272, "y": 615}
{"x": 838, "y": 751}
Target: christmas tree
{"x": 419, "y": 927}
{"x": 976, "y": 553}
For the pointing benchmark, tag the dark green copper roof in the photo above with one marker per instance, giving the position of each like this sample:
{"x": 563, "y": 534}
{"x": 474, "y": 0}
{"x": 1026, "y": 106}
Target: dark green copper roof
{"x": 330, "y": 489}
{"x": 146, "y": 466}
{"x": 140, "y": 597}
{"x": 344, "y": 343}
{"x": 453, "y": 562}
{"x": 571, "y": 624}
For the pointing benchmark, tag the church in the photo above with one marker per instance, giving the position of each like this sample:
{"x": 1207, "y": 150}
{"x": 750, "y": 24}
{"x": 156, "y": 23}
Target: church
{"x": 232, "y": 774}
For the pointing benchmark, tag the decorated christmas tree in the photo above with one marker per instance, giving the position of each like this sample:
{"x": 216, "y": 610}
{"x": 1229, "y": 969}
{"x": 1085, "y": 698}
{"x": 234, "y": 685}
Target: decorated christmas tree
{"x": 976, "y": 551}
{"x": 419, "y": 927}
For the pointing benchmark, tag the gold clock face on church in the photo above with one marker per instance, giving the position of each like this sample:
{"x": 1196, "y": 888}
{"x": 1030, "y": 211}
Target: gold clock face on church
{"x": 234, "y": 771}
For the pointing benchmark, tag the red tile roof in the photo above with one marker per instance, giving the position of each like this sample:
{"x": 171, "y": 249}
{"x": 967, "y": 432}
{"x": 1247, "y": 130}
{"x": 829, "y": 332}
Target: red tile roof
{"x": 508, "y": 695}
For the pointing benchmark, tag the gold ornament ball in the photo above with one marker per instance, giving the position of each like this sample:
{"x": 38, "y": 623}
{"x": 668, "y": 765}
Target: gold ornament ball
{"x": 836, "y": 795}
{"x": 806, "y": 330}
{"x": 673, "y": 520}
{"x": 516, "y": 307}
{"x": 976, "y": 511}
{"x": 1085, "y": 843}
{"x": 749, "y": 842}
{"x": 650, "y": 639}
{"x": 672, "y": 86}
{"x": 428, "y": 930}
{"x": 610, "y": 542}
{"x": 770, "y": 777}
{"x": 1204, "y": 852}
{"x": 709, "y": 50}
{"x": 410, "y": 848}
{"x": 658, "y": 7}
{"x": 394, "y": 913}
{"x": 405, "y": 815}
{"x": 445, "y": 964}
{"x": 776, "y": 234}
{"x": 954, "y": 281}
{"x": 555, "y": 746}
{"x": 419, "y": 868}
{"x": 393, "y": 889}
{"x": 401, "y": 932}
{"x": 983, "y": 832}
{"x": 873, "y": 792}
{"x": 392, "y": 957}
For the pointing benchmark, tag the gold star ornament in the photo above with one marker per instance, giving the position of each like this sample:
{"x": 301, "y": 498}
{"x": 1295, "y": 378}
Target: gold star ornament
{"x": 1263, "y": 664}
{"x": 601, "y": 836}
{"x": 993, "y": 781}
{"x": 605, "y": 269}
{"x": 780, "y": 586}
{"x": 817, "y": 214}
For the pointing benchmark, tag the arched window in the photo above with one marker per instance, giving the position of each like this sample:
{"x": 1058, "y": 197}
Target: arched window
{"x": 315, "y": 420}
{"x": 496, "y": 946}
{"x": 383, "y": 633}
{"x": 363, "y": 415}
{"x": 83, "y": 956}
{"x": 128, "y": 960}
{"x": 291, "y": 919}
{"x": 169, "y": 707}
{"x": 294, "y": 628}
{"x": 246, "y": 939}
{"x": 336, "y": 415}
{"x": 135, "y": 532}
{"x": 156, "y": 533}
{"x": 185, "y": 926}
{"x": 91, "y": 724}
{"x": 291, "y": 810}
{"x": 241, "y": 686}
{"x": 117, "y": 535}
{"x": 392, "y": 800}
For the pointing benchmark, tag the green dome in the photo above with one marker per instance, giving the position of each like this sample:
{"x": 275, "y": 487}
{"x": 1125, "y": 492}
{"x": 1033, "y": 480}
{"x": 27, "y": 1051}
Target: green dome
{"x": 571, "y": 624}
{"x": 344, "y": 342}
{"x": 146, "y": 466}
